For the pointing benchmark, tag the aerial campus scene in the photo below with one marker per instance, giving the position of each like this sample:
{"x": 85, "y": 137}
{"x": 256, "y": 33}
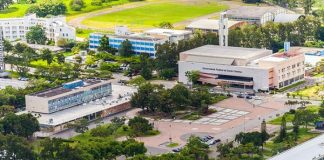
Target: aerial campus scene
{"x": 162, "y": 79}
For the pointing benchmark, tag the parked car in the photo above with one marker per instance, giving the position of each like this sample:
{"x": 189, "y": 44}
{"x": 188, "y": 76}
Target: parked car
{"x": 176, "y": 150}
{"x": 240, "y": 96}
{"x": 251, "y": 94}
{"x": 257, "y": 98}
{"x": 204, "y": 139}
{"x": 248, "y": 97}
{"x": 23, "y": 79}
{"x": 213, "y": 142}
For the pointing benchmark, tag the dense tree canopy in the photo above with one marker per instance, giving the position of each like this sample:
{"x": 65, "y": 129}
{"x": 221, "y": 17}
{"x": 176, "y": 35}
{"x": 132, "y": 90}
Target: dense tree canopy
{"x": 36, "y": 34}
{"x": 48, "y": 7}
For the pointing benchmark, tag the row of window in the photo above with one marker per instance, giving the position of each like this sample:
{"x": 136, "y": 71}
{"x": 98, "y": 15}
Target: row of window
{"x": 290, "y": 81}
{"x": 291, "y": 67}
{"x": 78, "y": 98}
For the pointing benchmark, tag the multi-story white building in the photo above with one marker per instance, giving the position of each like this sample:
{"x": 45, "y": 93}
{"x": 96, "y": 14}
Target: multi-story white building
{"x": 90, "y": 99}
{"x": 251, "y": 68}
{"x": 141, "y": 42}
{"x": 55, "y": 27}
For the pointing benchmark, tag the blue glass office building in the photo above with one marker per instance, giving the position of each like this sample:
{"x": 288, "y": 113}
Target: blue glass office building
{"x": 140, "y": 42}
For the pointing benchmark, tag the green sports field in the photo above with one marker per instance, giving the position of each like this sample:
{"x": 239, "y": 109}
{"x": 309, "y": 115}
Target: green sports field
{"x": 153, "y": 14}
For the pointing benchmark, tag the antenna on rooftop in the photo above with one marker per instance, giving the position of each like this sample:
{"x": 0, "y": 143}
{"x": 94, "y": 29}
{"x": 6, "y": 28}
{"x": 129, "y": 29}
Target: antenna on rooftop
{"x": 223, "y": 30}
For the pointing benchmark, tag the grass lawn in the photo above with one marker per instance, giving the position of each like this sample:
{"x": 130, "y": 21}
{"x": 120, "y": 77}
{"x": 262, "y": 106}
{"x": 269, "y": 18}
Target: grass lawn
{"x": 290, "y": 117}
{"x": 277, "y": 121}
{"x": 88, "y": 7}
{"x": 153, "y": 14}
{"x": 319, "y": 75}
{"x": 19, "y": 10}
{"x": 312, "y": 91}
{"x": 172, "y": 145}
{"x": 272, "y": 148}
{"x": 15, "y": 10}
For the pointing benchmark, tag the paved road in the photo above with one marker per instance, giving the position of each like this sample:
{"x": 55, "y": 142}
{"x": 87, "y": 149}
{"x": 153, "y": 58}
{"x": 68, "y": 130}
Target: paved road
{"x": 12, "y": 82}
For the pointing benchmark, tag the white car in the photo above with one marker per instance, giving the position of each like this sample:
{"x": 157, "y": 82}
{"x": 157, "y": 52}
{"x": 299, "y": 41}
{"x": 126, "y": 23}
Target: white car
{"x": 257, "y": 98}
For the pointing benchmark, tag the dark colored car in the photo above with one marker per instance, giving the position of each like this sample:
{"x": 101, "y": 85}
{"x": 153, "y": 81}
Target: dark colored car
{"x": 248, "y": 97}
{"x": 251, "y": 94}
{"x": 176, "y": 150}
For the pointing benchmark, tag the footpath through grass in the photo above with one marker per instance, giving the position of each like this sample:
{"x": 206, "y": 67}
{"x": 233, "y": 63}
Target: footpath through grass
{"x": 153, "y": 14}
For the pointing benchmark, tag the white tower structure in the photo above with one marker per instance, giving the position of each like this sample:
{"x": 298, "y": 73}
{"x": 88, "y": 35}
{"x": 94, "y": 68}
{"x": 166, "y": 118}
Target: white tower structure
{"x": 2, "y": 63}
{"x": 223, "y": 30}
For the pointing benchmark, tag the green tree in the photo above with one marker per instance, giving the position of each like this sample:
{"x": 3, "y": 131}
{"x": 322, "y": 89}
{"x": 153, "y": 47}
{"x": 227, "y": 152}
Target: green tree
{"x": 140, "y": 125}
{"x": 224, "y": 149}
{"x": 60, "y": 58}
{"x": 196, "y": 149}
{"x": 14, "y": 147}
{"x": 125, "y": 49}
{"x": 76, "y": 5}
{"x": 48, "y": 7}
{"x": 59, "y": 149}
{"x": 21, "y": 125}
{"x": 283, "y": 129}
{"x": 104, "y": 44}
{"x": 47, "y": 56}
{"x": 166, "y": 25}
{"x": 180, "y": 96}
{"x": 80, "y": 126}
{"x": 307, "y": 5}
{"x": 36, "y": 34}
{"x": 146, "y": 66}
{"x": 7, "y": 46}
{"x": 166, "y": 61}
{"x": 131, "y": 147}
{"x": 5, "y": 109}
{"x": 147, "y": 97}
{"x": 193, "y": 76}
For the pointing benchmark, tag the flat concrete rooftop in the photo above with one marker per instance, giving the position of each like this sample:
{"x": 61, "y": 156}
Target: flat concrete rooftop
{"x": 79, "y": 111}
{"x": 60, "y": 90}
{"x": 225, "y": 52}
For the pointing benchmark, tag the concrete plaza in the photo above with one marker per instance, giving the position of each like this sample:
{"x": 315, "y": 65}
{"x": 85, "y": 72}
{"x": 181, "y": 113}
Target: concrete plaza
{"x": 234, "y": 115}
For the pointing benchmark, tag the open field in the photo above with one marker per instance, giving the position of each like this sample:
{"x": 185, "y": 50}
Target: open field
{"x": 15, "y": 10}
{"x": 88, "y": 7}
{"x": 153, "y": 14}
{"x": 19, "y": 10}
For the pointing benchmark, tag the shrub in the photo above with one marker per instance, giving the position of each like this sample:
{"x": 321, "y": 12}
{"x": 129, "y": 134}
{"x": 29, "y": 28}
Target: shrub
{"x": 76, "y": 5}
{"x": 96, "y": 3}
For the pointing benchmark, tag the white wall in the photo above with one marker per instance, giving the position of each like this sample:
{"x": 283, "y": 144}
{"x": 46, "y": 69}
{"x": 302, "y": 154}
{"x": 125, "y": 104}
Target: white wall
{"x": 260, "y": 76}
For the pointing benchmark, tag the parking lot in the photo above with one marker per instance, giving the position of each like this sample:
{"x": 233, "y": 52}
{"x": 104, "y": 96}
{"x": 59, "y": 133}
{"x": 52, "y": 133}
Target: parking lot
{"x": 12, "y": 82}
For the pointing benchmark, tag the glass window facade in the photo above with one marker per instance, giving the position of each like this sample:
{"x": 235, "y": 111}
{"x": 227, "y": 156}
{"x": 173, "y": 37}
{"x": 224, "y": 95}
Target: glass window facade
{"x": 79, "y": 98}
{"x": 138, "y": 46}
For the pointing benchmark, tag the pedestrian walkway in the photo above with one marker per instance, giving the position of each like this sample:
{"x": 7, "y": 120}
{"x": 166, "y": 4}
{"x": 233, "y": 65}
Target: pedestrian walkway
{"x": 223, "y": 115}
